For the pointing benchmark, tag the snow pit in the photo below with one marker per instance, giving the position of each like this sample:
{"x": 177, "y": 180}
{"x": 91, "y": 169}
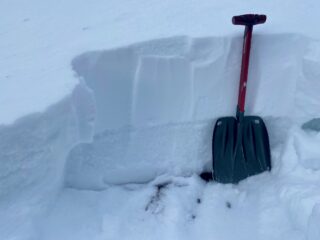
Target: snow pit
{"x": 156, "y": 102}
{"x": 144, "y": 113}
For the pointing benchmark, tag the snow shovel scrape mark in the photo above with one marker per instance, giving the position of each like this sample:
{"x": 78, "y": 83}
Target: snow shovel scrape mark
{"x": 154, "y": 203}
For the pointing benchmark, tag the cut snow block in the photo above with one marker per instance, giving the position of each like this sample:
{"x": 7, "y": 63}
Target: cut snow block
{"x": 163, "y": 91}
{"x": 131, "y": 155}
{"x": 154, "y": 103}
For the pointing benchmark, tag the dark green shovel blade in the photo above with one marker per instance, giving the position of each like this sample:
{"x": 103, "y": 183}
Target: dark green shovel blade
{"x": 240, "y": 150}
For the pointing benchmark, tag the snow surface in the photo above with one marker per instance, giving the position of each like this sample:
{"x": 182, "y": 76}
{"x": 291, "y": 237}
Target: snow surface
{"x": 108, "y": 112}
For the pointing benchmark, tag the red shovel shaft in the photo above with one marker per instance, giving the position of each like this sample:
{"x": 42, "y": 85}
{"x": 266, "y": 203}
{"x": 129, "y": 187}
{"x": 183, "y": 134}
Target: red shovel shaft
{"x": 244, "y": 68}
{"x": 248, "y": 20}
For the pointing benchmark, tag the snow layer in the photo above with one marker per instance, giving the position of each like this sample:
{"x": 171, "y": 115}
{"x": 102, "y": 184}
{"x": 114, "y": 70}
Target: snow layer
{"x": 86, "y": 107}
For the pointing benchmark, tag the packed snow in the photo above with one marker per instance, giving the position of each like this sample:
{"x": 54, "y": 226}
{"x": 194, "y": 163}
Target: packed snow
{"x": 108, "y": 110}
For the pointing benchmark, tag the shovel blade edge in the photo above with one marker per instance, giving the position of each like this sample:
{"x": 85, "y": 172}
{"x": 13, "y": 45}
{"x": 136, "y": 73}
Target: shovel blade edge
{"x": 240, "y": 150}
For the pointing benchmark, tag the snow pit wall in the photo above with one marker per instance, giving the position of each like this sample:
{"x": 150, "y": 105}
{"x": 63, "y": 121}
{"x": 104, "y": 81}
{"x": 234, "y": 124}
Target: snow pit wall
{"x": 156, "y": 102}
{"x": 148, "y": 109}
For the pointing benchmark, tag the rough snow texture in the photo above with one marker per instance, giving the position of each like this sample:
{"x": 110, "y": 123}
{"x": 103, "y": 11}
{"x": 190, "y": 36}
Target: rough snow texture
{"x": 33, "y": 153}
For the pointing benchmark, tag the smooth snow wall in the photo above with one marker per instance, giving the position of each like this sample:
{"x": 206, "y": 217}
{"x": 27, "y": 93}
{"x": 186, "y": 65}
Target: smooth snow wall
{"x": 156, "y": 102}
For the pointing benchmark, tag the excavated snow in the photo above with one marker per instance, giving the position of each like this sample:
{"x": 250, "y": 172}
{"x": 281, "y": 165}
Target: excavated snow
{"x": 169, "y": 92}
{"x": 166, "y": 149}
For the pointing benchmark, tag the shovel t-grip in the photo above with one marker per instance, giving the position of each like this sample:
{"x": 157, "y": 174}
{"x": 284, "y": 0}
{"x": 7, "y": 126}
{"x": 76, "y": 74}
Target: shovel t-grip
{"x": 248, "y": 20}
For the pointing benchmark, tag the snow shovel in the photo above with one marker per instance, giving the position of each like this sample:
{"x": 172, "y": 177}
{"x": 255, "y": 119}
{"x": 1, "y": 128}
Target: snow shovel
{"x": 240, "y": 145}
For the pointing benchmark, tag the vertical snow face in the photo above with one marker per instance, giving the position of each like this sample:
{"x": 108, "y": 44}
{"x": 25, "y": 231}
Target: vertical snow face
{"x": 110, "y": 76}
{"x": 33, "y": 154}
{"x": 160, "y": 82}
{"x": 308, "y": 98}
{"x": 163, "y": 92}
{"x": 156, "y": 102}
{"x": 154, "y": 109}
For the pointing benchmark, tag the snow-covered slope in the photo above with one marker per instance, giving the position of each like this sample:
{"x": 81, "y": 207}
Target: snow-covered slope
{"x": 39, "y": 39}
{"x": 108, "y": 110}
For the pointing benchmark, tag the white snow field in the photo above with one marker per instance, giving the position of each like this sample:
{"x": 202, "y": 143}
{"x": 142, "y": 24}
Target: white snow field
{"x": 108, "y": 108}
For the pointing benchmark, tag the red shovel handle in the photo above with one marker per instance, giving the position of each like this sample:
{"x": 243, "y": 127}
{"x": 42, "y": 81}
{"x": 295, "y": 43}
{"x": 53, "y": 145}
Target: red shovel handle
{"x": 248, "y": 20}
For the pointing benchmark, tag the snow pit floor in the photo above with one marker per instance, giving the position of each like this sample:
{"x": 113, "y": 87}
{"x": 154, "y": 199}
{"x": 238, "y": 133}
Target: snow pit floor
{"x": 262, "y": 207}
